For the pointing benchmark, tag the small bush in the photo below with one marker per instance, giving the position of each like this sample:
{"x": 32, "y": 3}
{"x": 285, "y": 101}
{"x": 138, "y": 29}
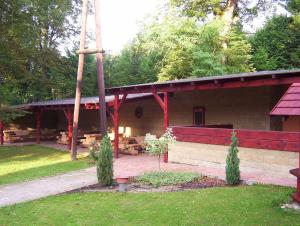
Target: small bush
{"x": 283, "y": 197}
{"x": 233, "y": 163}
{"x": 159, "y": 146}
{"x": 166, "y": 178}
{"x": 105, "y": 163}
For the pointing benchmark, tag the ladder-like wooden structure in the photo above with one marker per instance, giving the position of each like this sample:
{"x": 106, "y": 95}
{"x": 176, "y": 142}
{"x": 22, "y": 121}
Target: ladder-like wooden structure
{"x": 101, "y": 86}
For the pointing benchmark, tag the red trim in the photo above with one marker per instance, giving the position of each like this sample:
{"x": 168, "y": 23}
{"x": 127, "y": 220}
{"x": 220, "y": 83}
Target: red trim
{"x": 197, "y": 109}
{"x": 116, "y": 125}
{"x": 270, "y": 140}
{"x": 1, "y": 133}
{"x": 207, "y": 85}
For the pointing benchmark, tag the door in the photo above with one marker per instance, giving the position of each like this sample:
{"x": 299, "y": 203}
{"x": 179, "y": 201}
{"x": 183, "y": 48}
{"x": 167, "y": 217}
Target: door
{"x": 199, "y": 116}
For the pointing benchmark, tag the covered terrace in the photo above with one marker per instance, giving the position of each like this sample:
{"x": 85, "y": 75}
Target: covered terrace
{"x": 272, "y": 140}
{"x": 40, "y": 110}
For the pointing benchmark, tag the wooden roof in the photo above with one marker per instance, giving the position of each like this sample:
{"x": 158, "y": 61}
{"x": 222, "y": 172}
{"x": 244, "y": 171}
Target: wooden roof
{"x": 289, "y": 104}
{"x": 71, "y": 101}
{"x": 251, "y": 79}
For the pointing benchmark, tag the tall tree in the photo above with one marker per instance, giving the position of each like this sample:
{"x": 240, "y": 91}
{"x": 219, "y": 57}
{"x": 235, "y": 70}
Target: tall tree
{"x": 277, "y": 44}
{"x": 32, "y": 33}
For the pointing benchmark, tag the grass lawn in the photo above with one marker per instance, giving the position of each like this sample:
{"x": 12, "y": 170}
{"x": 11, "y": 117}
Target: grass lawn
{"x": 255, "y": 205}
{"x": 21, "y": 163}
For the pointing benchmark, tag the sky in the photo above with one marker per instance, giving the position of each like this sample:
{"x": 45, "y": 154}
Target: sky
{"x": 120, "y": 21}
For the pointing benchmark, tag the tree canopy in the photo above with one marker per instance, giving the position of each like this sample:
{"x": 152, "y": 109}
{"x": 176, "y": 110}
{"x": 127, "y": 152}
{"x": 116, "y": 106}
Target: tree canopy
{"x": 188, "y": 38}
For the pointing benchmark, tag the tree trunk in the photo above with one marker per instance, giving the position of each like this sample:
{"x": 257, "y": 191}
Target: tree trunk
{"x": 228, "y": 15}
{"x": 228, "y": 19}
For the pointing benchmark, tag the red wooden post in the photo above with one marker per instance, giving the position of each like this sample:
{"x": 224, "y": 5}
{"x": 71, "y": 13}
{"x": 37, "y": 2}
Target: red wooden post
{"x": 69, "y": 117}
{"x": 38, "y": 126}
{"x": 116, "y": 126}
{"x": 166, "y": 119}
{"x": 70, "y": 128}
{"x": 164, "y": 104}
{"x": 1, "y": 133}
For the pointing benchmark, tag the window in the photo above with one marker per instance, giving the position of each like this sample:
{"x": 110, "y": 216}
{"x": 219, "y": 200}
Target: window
{"x": 199, "y": 116}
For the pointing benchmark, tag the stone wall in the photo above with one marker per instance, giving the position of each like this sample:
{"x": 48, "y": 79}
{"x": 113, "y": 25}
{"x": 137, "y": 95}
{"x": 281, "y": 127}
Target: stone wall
{"x": 272, "y": 163}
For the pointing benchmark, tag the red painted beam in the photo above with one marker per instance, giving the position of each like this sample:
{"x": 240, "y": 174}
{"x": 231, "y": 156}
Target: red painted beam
{"x": 116, "y": 125}
{"x": 159, "y": 100}
{"x": 38, "y": 126}
{"x": 166, "y": 119}
{"x": 69, "y": 117}
{"x": 164, "y": 104}
{"x": 122, "y": 100}
{"x": 1, "y": 133}
{"x": 208, "y": 85}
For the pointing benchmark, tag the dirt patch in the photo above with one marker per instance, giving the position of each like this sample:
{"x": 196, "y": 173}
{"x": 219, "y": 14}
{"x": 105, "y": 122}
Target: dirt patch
{"x": 200, "y": 183}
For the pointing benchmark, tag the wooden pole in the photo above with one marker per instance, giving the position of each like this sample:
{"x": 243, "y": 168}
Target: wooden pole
{"x": 166, "y": 119}
{"x": 116, "y": 126}
{"x": 1, "y": 133}
{"x": 100, "y": 73}
{"x": 38, "y": 126}
{"x": 79, "y": 80}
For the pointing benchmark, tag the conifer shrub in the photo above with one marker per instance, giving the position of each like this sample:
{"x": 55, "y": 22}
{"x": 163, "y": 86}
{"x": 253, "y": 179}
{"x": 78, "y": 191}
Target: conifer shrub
{"x": 233, "y": 162}
{"x": 104, "y": 162}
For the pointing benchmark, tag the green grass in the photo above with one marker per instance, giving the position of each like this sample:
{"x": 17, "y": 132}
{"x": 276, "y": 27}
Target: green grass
{"x": 167, "y": 178}
{"x": 255, "y": 205}
{"x": 22, "y": 163}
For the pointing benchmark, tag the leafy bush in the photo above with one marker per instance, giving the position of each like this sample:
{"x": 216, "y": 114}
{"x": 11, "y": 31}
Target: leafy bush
{"x": 166, "y": 178}
{"x": 233, "y": 162}
{"x": 104, "y": 160}
{"x": 158, "y": 146}
{"x": 94, "y": 151}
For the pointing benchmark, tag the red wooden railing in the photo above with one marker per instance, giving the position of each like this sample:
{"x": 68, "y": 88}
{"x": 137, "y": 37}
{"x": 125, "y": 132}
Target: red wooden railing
{"x": 271, "y": 140}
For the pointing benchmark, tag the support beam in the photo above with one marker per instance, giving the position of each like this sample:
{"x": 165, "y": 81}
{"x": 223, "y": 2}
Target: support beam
{"x": 79, "y": 80}
{"x": 38, "y": 114}
{"x": 90, "y": 51}
{"x": 164, "y": 104}
{"x": 115, "y": 118}
{"x": 159, "y": 100}
{"x": 68, "y": 114}
{"x": 166, "y": 119}
{"x": 116, "y": 126}
{"x": 100, "y": 72}
{"x": 1, "y": 133}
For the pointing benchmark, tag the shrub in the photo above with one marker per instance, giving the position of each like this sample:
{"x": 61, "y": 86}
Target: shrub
{"x": 167, "y": 178}
{"x": 104, "y": 163}
{"x": 233, "y": 162}
{"x": 158, "y": 146}
{"x": 94, "y": 151}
